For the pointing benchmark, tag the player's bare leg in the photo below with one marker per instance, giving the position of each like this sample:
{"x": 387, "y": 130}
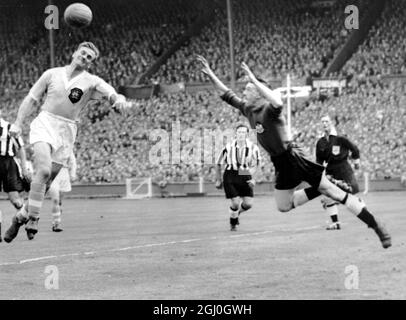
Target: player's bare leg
{"x": 242, "y": 205}
{"x": 287, "y": 200}
{"x": 234, "y": 208}
{"x": 245, "y": 204}
{"x": 357, "y": 207}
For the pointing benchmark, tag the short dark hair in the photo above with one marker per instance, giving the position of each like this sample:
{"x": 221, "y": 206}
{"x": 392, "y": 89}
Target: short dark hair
{"x": 91, "y": 46}
{"x": 242, "y": 125}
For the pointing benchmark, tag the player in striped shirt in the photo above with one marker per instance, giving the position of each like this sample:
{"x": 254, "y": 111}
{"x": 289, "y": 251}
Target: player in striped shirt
{"x": 241, "y": 158}
{"x": 262, "y": 107}
{"x": 13, "y": 172}
{"x": 53, "y": 132}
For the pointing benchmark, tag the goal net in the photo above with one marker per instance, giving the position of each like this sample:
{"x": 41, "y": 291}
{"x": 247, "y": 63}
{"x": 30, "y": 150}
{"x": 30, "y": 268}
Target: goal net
{"x": 138, "y": 188}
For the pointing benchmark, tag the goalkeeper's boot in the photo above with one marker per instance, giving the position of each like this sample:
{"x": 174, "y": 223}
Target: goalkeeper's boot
{"x": 383, "y": 235}
{"x": 56, "y": 226}
{"x": 341, "y": 184}
{"x": 32, "y": 227}
{"x": 334, "y": 226}
{"x": 234, "y": 222}
{"x": 17, "y": 221}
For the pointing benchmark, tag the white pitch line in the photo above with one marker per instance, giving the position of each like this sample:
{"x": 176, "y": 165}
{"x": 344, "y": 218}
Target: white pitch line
{"x": 37, "y": 259}
{"x": 159, "y": 244}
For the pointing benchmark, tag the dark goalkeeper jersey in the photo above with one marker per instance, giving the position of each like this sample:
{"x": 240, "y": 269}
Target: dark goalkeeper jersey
{"x": 268, "y": 121}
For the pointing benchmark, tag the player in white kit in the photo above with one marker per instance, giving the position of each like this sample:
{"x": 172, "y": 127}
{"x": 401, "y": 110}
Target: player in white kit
{"x": 52, "y": 133}
{"x": 61, "y": 185}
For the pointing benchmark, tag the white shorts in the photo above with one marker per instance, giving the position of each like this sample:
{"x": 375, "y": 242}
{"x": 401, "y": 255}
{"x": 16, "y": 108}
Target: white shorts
{"x": 62, "y": 181}
{"x": 58, "y": 131}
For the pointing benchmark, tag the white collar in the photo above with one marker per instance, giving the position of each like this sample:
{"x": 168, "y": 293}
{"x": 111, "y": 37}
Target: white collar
{"x": 333, "y": 132}
{"x": 67, "y": 82}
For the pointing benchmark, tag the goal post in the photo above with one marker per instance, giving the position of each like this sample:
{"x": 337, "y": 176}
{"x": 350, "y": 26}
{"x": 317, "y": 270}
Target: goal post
{"x": 138, "y": 188}
{"x": 366, "y": 183}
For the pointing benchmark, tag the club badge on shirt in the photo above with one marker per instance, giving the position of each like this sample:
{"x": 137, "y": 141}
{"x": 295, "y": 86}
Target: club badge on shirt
{"x": 335, "y": 150}
{"x": 259, "y": 128}
{"x": 75, "y": 95}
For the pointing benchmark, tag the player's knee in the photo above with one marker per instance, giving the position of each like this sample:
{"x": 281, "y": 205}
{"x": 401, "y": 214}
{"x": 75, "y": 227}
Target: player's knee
{"x": 44, "y": 172}
{"x": 16, "y": 202}
{"x": 328, "y": 189}
{"x": 246, "y": 205}
{"x": 235, "y": 204}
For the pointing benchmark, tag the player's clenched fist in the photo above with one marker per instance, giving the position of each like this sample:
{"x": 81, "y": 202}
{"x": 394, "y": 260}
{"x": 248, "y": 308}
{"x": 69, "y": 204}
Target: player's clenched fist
{"x": 219, "y": 184}
{"x": 121, "y": 103}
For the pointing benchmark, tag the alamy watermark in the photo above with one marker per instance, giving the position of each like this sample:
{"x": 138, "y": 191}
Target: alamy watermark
{"x": 52, "y": 20}
{"x": 351, "y": 281}
{"x": 52, "y": 278}
{"x": 352, "y": 20}
{"x": 189, "y": 145}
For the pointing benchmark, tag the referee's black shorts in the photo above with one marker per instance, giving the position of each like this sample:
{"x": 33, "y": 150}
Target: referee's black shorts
{"x": 343, "y": 171}
{"x": 292, "y": 167}
{"x": 236, "y": 185}
{"x": 10, "y": 179}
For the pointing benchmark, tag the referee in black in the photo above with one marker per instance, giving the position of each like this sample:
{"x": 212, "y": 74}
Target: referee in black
{"x": 14, "y": 176}
{"x": 333, "y": 151}
{"x": 241, "y": 157}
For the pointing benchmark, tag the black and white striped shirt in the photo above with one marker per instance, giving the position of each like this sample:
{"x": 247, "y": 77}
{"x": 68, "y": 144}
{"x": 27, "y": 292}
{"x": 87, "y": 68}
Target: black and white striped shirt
{"x": 9, "y": 146}
{"x": 239, "y": 158}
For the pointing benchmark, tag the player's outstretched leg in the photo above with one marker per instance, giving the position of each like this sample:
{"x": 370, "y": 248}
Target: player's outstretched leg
{"x": 357, "y": 207}
{"x": 287, "y": 200}
{"x": 234, "y": 212}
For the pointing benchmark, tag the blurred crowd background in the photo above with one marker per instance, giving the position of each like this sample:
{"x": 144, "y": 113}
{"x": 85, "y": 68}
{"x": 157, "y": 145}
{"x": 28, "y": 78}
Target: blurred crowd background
{"x": 273, "y": 37}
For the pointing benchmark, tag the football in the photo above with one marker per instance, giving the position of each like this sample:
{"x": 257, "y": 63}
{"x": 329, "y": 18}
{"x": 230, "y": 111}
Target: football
{"x": 78, "y": 15}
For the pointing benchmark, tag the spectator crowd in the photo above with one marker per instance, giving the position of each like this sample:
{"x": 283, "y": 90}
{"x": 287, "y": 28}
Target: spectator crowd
{"x": 274, "y": 37}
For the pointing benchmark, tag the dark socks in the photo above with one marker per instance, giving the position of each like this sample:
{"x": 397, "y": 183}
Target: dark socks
{"x": 368, "y": 218}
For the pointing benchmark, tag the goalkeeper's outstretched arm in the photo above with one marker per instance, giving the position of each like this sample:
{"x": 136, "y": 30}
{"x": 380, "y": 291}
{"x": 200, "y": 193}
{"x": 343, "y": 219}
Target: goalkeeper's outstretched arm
{"x": 220, "y": 86}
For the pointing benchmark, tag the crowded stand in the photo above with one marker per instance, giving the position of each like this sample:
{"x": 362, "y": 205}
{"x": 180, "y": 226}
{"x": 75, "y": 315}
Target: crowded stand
{"x": 278, "y": 37}
{"x": 274, "y": 37}
{"x": 383, "y": 51}
{"x": 111, "y": 147}
{"x": 130, "y": 35}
